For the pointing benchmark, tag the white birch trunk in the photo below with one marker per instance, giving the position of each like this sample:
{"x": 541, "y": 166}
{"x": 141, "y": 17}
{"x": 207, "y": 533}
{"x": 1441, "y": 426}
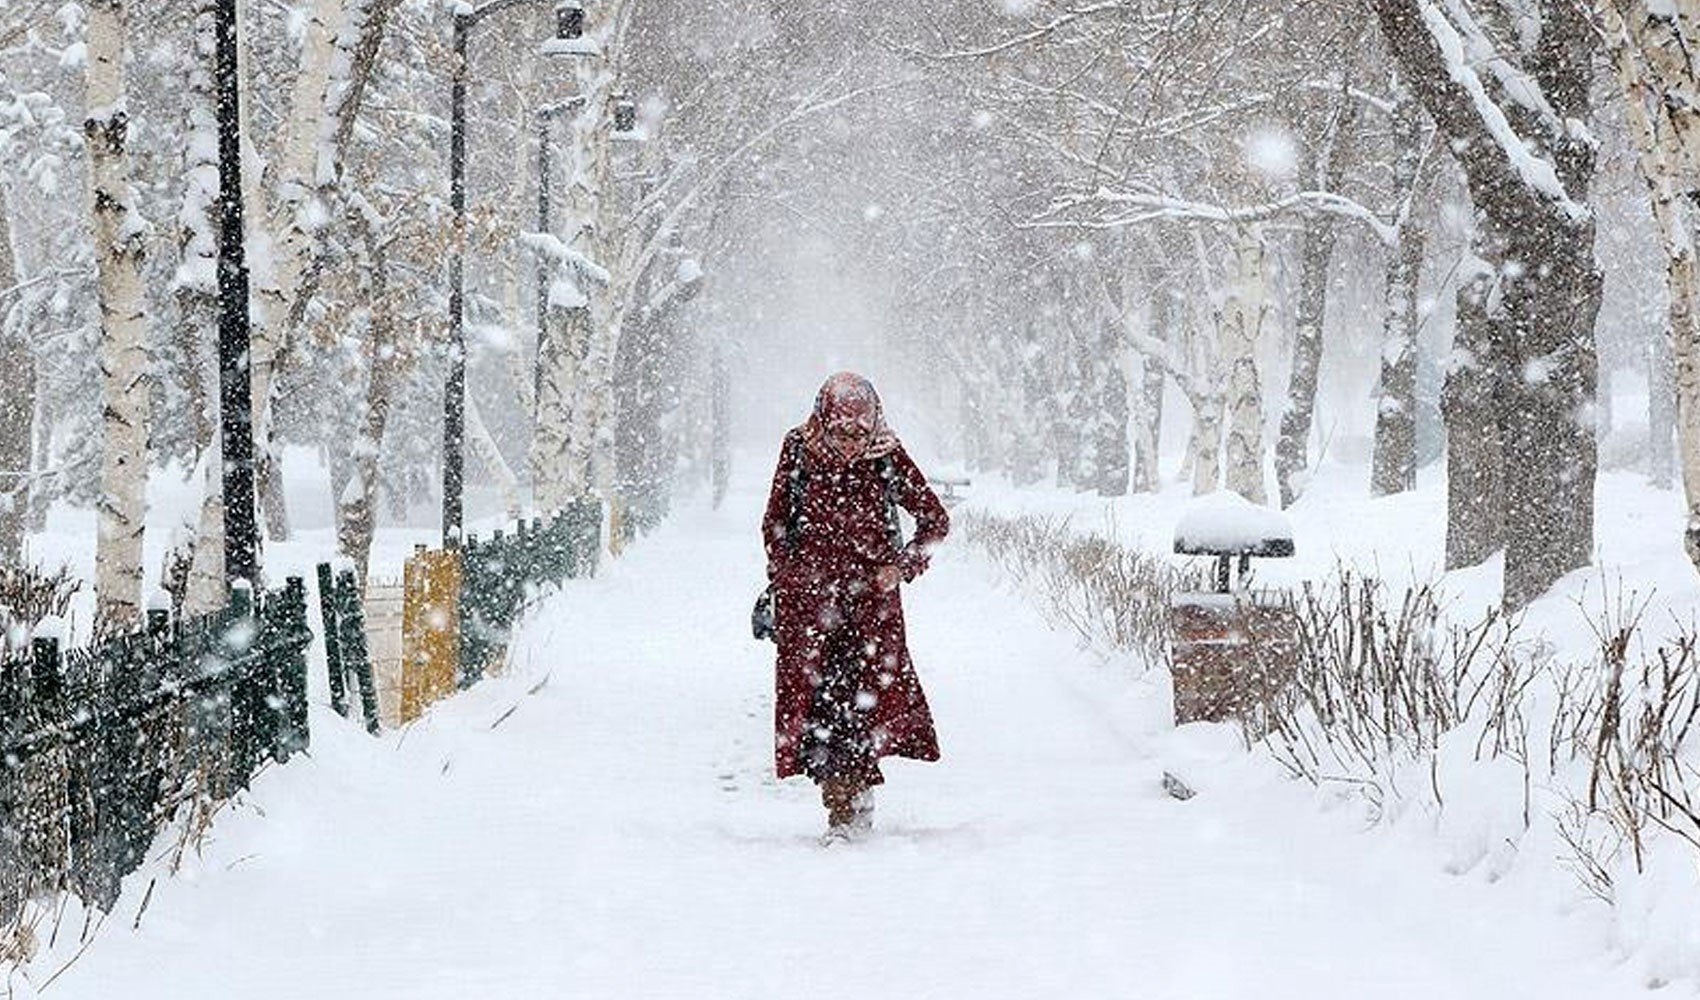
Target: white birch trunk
{"x": 119, "y": 240}
{"x": 572, "y": 451}
{"x": 483, "y": 447}
{"x": 197, "y": 289}
{"x": 206, "y": 590}
{"x": 1242, "y": 323}
{"x": 1648, "y": 57}
{"x": 563, "y": 344}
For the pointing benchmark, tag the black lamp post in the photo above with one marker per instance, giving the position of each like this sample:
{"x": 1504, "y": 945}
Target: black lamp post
{"x": 569, "y": 26}
{"x": 235, "y": 388}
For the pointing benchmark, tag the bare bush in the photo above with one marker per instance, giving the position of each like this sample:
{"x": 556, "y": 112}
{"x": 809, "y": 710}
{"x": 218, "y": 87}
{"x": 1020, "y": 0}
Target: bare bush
{"x": 1106, "y": 593}
{"x": 27, "y": 595}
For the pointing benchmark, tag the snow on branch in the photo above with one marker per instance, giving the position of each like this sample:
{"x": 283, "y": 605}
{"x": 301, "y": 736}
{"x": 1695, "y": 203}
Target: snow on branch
{"x": 550, "y": 248}
{"x": 1037, "y": 33}
{"x": 1152, "y": 207}
{"x": 1536, "y": 172}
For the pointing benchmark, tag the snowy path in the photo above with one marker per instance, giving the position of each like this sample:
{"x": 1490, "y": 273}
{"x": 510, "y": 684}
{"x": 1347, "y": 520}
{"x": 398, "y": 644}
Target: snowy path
{"x": 619, "y": 835}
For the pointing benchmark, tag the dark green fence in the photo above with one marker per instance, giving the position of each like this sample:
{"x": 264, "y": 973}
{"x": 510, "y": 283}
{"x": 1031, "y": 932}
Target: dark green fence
{"x": 501, "y": 575}
{"x": 99, "y": 747}
{"x": 346, "y": 657}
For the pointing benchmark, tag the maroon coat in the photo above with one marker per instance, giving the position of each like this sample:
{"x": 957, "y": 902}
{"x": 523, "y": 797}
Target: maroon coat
{"x": 824, "y": 584}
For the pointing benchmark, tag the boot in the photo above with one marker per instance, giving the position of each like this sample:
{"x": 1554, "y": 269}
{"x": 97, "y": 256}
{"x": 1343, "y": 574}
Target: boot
{"x": 839, "y": 798}
{"x": 862, "y": 811}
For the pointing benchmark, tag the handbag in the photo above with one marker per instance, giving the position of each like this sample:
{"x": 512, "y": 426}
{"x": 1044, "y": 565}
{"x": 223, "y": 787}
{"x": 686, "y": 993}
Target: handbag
{"x": 761, "y": 618}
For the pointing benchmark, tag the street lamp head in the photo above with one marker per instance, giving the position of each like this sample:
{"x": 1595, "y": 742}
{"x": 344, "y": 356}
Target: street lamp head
{"x": 625, "y": 113}
{"x": 569, "y": 20}
{"x": 569, "y": 37}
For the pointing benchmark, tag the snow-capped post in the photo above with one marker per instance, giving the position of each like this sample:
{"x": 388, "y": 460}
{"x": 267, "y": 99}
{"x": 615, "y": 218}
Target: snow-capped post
{"x": 236, "y": 416}
{"x": 466, "y": 18}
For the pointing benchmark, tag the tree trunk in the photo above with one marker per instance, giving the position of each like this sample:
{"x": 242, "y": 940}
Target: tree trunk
{"x": 1475, "y": 514}
{"x": 196, "y": 289}
{"x": 720, "y": 430}
{"x": 206, "y": 590}
{"x": 1204, "y": 447}
{"x": 1292, "y": 446}
{"x": 1148, "y": 398}
{"x": 1551, "y": 456}
{"x": 1661, "y": 412}
{"x": 566, "y": 333}
{"x": 1242, "y": 325}
{"x": 357, "y": 498}
{"x": 1653, "y": 55}
{"x": 1393, "y": 466}
{"x": 17, "y": 407}
{"x": 1533, "y": 194}
{"x": 1110, "y": 447}
{"x": 119, "y": 244}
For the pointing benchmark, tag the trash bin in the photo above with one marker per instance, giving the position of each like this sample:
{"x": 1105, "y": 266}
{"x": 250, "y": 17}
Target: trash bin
{"x": 1233, "y": 647}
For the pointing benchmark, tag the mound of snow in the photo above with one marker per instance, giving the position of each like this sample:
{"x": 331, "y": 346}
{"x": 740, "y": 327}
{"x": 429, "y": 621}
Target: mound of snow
{"x": 1225, "y": 522}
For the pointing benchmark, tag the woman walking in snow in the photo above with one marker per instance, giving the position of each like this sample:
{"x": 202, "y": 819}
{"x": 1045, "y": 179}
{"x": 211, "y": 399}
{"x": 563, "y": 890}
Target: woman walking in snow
{"x": 847, "y": 693}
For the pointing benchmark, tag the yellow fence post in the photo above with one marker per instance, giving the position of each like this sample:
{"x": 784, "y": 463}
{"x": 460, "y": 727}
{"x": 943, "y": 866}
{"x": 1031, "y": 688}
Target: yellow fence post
{"x": 430, "y": 630}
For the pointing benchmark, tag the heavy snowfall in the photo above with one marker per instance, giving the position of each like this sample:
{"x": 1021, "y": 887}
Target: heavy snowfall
{"x": 1256, "y": 554}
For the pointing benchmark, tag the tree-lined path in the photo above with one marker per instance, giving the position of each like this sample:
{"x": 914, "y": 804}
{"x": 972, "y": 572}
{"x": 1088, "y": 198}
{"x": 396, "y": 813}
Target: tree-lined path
{"x": 618, "y": 834}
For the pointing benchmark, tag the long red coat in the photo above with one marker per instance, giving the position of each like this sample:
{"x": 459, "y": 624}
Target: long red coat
{"x": 824, "y": 584}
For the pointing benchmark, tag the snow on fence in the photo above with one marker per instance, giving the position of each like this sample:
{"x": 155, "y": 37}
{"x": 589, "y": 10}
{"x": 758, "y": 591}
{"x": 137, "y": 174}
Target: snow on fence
{"x": 101, "y": 747}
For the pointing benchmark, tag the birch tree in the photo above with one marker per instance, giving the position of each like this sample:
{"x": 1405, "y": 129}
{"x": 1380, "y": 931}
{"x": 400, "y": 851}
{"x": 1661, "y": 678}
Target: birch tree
{"x": 119, "y": 234}
{"x": 1653, "y": 49}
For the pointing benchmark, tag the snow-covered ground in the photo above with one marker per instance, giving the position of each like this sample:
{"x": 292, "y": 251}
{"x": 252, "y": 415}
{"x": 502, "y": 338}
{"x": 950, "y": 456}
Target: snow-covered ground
{"x": 603, "y": 822}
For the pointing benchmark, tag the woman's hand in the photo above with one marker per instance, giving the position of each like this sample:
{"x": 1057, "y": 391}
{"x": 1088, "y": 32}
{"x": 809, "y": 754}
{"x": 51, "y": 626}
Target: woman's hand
{"x": 886, "y": 578}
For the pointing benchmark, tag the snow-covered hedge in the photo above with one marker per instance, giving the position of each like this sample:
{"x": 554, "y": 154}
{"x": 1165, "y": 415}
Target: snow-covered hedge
{"x": 1513, "y": 755}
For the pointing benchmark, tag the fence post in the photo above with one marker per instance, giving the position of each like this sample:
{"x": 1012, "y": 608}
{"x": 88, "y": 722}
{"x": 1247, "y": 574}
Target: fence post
{"x": 475, "y": 584}
{"x": 537, "y": 554}
{"x": 286, "y": 646}
{"x": 331, "y": 628}
{"x": 13, "y": 886}
{"x": 43, "y": 839}
{"x": 352, "y": 620}
{"x": 236, "y": 641}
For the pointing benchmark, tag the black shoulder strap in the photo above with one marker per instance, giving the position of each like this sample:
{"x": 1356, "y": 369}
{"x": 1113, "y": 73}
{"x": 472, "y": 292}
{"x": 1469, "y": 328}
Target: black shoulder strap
{"x": 888, "y": 475}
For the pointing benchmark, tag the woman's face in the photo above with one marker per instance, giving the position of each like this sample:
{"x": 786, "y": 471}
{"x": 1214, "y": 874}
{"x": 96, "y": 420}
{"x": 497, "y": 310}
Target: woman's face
{"x": 849, "y": 435}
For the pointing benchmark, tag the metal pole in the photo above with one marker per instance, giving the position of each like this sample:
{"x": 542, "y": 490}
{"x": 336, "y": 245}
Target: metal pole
{"x": 454, "y": 395}
{"x": 236, "y": 415}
